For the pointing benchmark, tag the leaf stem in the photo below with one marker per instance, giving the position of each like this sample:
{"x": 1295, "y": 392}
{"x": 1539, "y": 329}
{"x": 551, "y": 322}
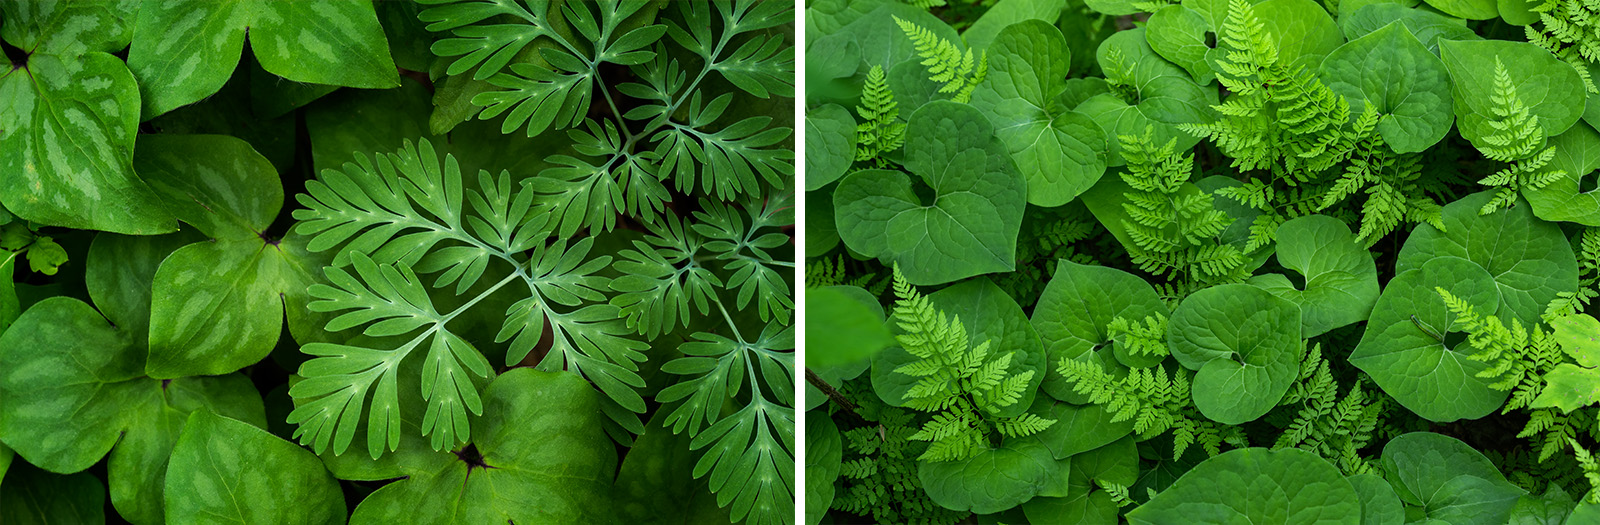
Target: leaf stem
{"x": 837, "y": 397}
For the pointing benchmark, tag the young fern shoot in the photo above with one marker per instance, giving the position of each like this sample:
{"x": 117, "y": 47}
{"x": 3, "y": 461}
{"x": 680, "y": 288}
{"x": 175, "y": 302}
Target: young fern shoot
{"x": 961, "y": 385}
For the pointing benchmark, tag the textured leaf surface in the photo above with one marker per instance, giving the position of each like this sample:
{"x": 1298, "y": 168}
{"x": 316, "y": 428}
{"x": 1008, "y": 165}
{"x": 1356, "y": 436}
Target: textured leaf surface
{"x": 1404, "y": 347}
{"x": 1429, "y": 27}
{"x": 1468, "y": 9}
{"x": 994, "y": 480}
{"x": 1245, "y": 344}
{"x": 1341, "y": 279}
{"x": 1256, "y": 485}
{"x": 1060, "y": 152}
{"x": 68, "y": 126}
{"x": 830, "y": 145}
{"x": 1178, "y": 34}
{"x": 1085, "y": 503}
{"x": 1577, "y": 154}
{"x": 1452, "y": 482}
{"x": 1074, "y": 310}
{"x": 1166, "y": 97}
{"x": 185, "y": 50}
{"x": 227, "y": 470}
{"x": 1408, "y": 86}
{"x": 1549, "y": 87}
{"x": 1379, "y": 504}
{"x": 538, "y": 440}
{"x": 655, "y": 486}
{"x": 1569, "y": 387}
{"x": 67, "y": 29}
{"x": 1530, "y": 260}
{"x": 971, "y": 226}
{"x": 824, "y": 449}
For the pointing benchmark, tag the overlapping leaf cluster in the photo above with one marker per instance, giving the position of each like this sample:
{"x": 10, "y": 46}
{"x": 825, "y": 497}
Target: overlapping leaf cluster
{"x": 539, "y": 252}
{"x": 1342, "y": 252}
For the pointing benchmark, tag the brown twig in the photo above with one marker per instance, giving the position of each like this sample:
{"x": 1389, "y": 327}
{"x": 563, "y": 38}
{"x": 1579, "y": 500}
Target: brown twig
{"x": 837, "y": 398}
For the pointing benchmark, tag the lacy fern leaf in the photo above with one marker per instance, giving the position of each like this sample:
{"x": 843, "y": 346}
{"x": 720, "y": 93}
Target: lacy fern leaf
{"x": 880, "y": 130}
{"x": 956, "y": 71}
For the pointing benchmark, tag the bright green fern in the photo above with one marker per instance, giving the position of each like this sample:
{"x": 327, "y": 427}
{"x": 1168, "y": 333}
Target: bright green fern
{"x": 880, "y": 130}
{"x": 1390, "y": 182}
{"x": 1516, "y": 139}
{"x": 1155, "y": 403}
{"x": 957, "y": 72}
{"x": 962, "y": 386}
{"x": 1174, "y": 232}
{"x": 1569, "y": 29}
{"x": 1518, "y": 356}
{"x": 1332, "y": 427}
{"x": 1148, "y": 338}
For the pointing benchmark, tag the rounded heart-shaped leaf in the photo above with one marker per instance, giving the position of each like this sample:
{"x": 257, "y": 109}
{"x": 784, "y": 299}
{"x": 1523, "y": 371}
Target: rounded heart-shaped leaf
{"x": 1245, "y": 344}
{"x": 1256, "y": 485}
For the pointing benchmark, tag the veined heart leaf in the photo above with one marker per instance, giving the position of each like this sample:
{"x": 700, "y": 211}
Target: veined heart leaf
{"x": 1405, "y": 347}
{"x": 1075, "y": 309}
{"x": 225, "y": 468}
{"x": 185, "y": 50}
{"x": 1244, "y": 344}
{"x": 1407, "y": 85}
{"x": 1577, "y": 154}
{"x": 1155, "y": 93}
{"x": 1447, "y": 480}
{"x": 1060, "y": 152}
{"x": 1341, "y": 280}
{"x": 970, "y": 228}
{"x": 994, "y": 480}
{"x": 1551, "y": 88}
{"x": 1258, "y": 486}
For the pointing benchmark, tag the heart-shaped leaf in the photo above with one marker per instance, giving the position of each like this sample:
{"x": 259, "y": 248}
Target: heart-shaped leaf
{"x": 1245, "y": 344}
{"x": 1341, "y": 280}
{"x": 1074, "y": 310}
{"x": 225, "y": 468}
{"x": 1256, "y": 485}
{"x": 1408, "y": 86}
{"x": 1449, "y": 480}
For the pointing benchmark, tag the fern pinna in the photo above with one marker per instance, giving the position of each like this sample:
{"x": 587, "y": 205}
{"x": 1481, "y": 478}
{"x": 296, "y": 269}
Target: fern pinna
{"x": 664, "y": 224}
{"x": 961, "y": 385}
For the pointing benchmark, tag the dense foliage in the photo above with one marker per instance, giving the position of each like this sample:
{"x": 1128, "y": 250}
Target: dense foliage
{"x": 452, "y": 261}
{"x": 1209, "y": 261}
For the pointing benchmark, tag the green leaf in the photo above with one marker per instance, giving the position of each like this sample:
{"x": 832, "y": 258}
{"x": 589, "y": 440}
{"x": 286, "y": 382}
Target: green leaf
{"x": 1178, "y": 34}
{"x": 1578, "y": 155}
{"x": 218, "y": 306}
{"x": 1078, "y": 428}
{"x": 824, "y": 450}
{"x": 1085, "y": 503}
{"x": 1429, "y": 27}
{"x": 994, "y": 480}
{"x": 1304, "y": 32}
{"x": 223, "y": 468}
{"x": 1530, "y": 259}
{"x": 33, "y": 495}
{"x": 539, "y": 462}
{"x": 981, "y": 34}
{"x": 1404, "y": 347}
{"x": 1569, "y": 387}
{"x": 1164, "y": 96}
{"x": 69, "y": 127}
{"x": 1060, "y": 152}
{"x": 1579, "y": 337}
{"x": 1341, "y": 279}
{"x": 830, "y": 145}
{"x": 10, "y": 308}
{"x": 1549, "y": 87}
{"x": 185, "y": 50}
{"x": 1408, "y": 86}
{"x": 68, "y": 29}
{"x": 1452, "y": 482}
{"x": 63, "y": 351}
{"x": 1256, "y": 485}
{"x": 1551, "y": 508}
{"x": 654, "y": 486}
{"x": 841, "y": 329}
{"x": 971, "y": 226}
{"x": 1379, "y": 504}
{"x": 1468, "y": 9}
{"x": 1245, "y": 344}
{"x": 1074, "y": 310}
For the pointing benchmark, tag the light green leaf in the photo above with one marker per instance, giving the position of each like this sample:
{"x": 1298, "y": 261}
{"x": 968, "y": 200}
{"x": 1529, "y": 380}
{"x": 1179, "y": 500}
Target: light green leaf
{"x": 840, "y": 329}
{"x": 1164, "y": 96}
{"x": 1074, "y": 310}
{"x": 66, "y": 352}
{"x": 1304, "y": 32}
{"x": 824, "y": 450}
{"x": 971, "y": 226}
{"x": 1468, "y": 9}
{"x": 68, "y": 126}
{"x": 226, "y": 469}
{"x": 1341, "y": 279}
{"x": 1577, "y": 154}
{"x": 981, "y": 34}
{"x": 1379, "y": 504}
{"x": 1245, "y": 344}
{"x": 1256, "y": 485}
{"x": 1450, "y": 480}
{"x": 538, "y": 433}
{"x": 68, "y": 29}
{"x": 1531, "y": 260}
{"x": 1549, "y": 86}
{"x": 1408, "y": 86}
{"x": 1078, "y": 428}
{"x": 992, "y": 481}
{"x": 185, "y": 50}
{"x": 1569, "y": 387}
{"x": 1429, "y": 27}
{"x": 1178, "y": 34}
{"x": 216, "y": 183}
{"x": 34, "y": 496}
{"x": 1060, "y": 152}
{"x": 1404, "y": 348}
{"x": 10, "y": 308}
{"x": 117, "y": 260}
{"x": 1551, "y": 508}
{"x": 1579, "y": 337}
{"x": 830, "y": 145}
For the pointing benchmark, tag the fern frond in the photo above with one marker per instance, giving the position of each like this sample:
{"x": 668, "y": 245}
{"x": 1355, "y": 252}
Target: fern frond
{"x": 956, "y": 71}
{"x": 880, "y": 130}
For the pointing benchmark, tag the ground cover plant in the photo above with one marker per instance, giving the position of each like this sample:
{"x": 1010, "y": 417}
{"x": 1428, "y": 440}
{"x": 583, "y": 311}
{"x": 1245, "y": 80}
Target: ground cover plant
{"x": 437, "y": 262}
{"x": 1209, "y": 261}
